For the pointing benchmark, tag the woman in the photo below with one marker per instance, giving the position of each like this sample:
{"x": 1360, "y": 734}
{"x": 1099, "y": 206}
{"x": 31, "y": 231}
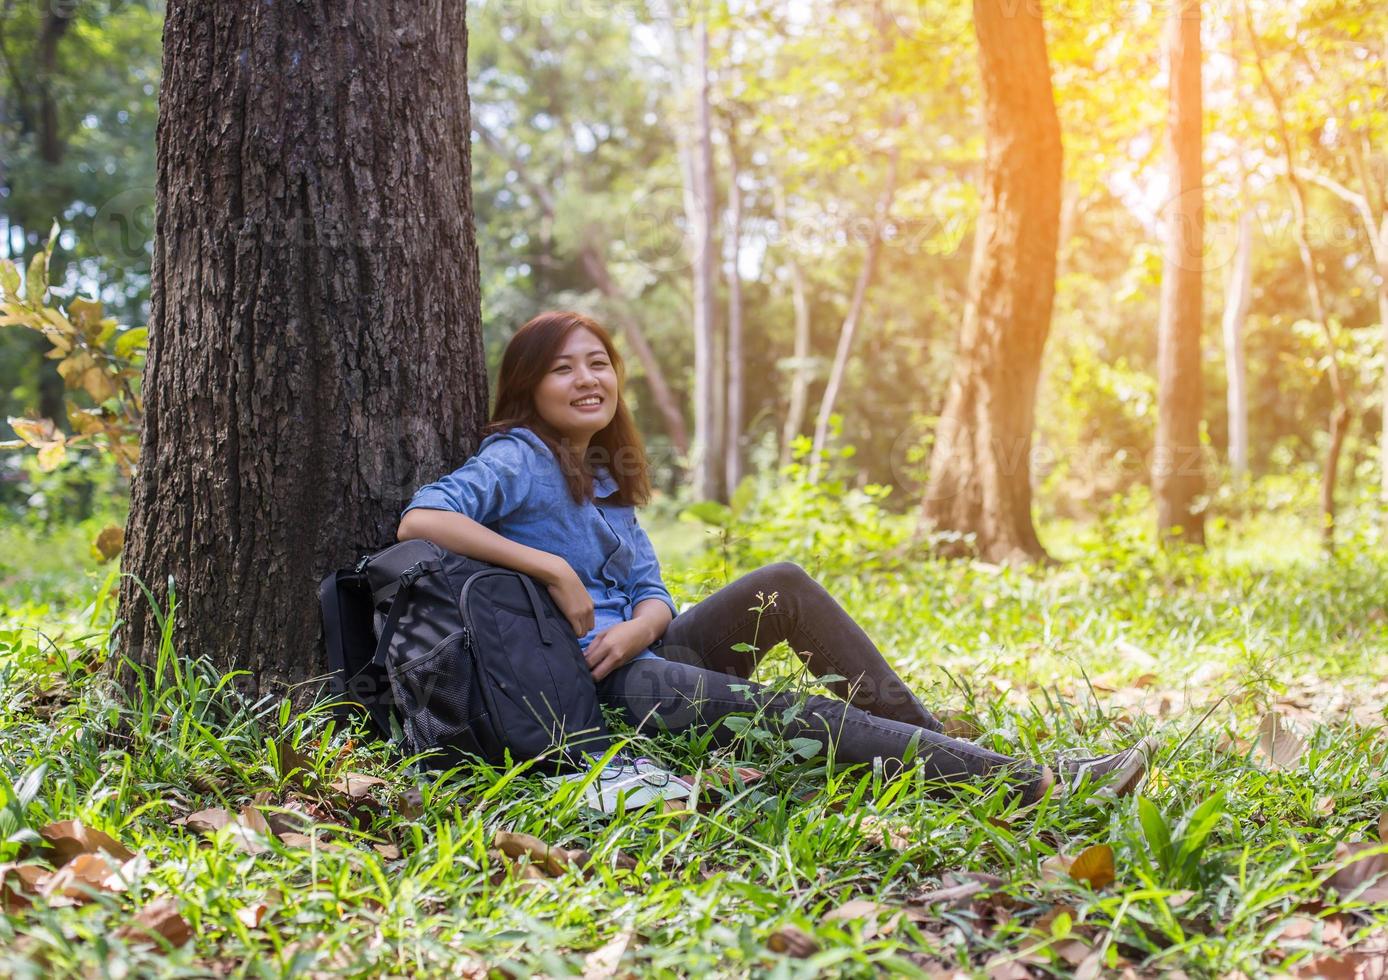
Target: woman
{"x": 552, "y": 492}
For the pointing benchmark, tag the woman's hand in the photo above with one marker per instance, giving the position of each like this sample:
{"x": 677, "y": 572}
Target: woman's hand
{"x": 573, "y": 600}
{"x": 615, "y": 646}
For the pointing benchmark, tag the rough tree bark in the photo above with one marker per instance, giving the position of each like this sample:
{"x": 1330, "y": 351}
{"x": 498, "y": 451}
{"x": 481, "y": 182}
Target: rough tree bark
{"x": 1177, "y": 474}
{"x": 315, "y": 336}
{"x": 980, "y": 466}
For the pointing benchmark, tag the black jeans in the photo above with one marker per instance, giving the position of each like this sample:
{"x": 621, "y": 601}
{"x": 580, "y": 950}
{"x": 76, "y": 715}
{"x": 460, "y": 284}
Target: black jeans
{"x": 700, "y": 680}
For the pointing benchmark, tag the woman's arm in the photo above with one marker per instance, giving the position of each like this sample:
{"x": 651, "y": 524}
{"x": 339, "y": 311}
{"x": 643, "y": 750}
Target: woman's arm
{"x": 461, "y": 534}
{"x": 465, "y": 536}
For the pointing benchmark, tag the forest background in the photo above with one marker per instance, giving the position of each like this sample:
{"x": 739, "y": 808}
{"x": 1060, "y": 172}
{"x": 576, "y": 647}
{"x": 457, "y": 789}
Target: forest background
{"x": 790, "y": 394}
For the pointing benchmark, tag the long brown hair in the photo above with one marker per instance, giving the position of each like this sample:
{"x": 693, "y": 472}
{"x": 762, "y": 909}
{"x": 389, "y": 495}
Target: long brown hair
{"x": 527, "y": 360}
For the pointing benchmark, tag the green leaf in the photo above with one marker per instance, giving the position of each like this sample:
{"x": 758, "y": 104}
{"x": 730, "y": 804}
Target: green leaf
{"x": 36, "y": 282}
{"x": 1156, "y": 831}
{"x": 9, "y": 280}
{"x": 132, "y": 340}
{"x": 709, "y": 512}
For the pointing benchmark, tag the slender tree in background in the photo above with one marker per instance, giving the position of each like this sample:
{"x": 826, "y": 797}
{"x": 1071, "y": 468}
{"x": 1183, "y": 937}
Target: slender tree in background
{"x": 1177, "y": 473}
{"x": 1301, "y": 226}
{"x": 735, "y": 418}
{"x": 696, "y": 156}
{"x": 980, "y": 467}
{"x": 315, "y": 350}
{"x": 1238, "y": 296}
{"x": 866, "y": 273}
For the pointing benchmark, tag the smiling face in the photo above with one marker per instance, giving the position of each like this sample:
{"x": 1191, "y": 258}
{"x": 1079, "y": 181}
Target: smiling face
{"x": 578, "y": 394}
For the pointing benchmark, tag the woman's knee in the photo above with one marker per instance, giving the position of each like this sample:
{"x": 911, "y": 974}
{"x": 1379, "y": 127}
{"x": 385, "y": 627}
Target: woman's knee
{"x": 781, "y": 576}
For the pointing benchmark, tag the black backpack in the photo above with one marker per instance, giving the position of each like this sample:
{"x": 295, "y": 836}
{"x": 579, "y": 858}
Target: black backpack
{"x": 466, "y": 657}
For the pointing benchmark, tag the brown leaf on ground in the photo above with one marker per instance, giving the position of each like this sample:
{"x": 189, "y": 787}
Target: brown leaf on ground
{"x": 960, "y": 724}
{"x": 308, "y": 841}
{"x": 290, "y": 758}
{"x": 1279, "y": 744}
{"x": 80, "y": 879}
{"x": 388, "y": 851}
{"x": 1345, "y": 966}
{"x": 15, "y": 881}
{"x": 1176, "y": 899}
{"x": 877, "y": 919}
{"x": 1383, "y": 827}
{"x": 1094, "y": 866}
{"x": 251, "y": 916}
{"x": 1046, "y": 921}
{"x": 885, "y": 833}
{"x": 603, "y": 962}
{"x": 411, "y": 804}
{"x": 253, "y": 819}
{"x": 206, "y": 821}
{"x": 1297, "y": 927}
{"x": 356, "y": 786}
{"x": 1360, "y": 867}
{"x": 1325, "y": 806}
{"x": 1233, "y": 745}
{"x": 159, "y": 918}
{"x": 249, "y": 831}
{"x": 1056, "y": 868}
{"x": 792, "y": 941}
{"x": 958, "y": 890}
{"x": 69, "y": 838}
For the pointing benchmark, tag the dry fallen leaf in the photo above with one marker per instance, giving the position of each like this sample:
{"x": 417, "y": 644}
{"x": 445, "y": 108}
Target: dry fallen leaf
{"x": 1325, "y": 805}
{"x": 1383, "y": 827}
{"x": 603, "y": 962}
{"x": 1345, "y": 966}
{"x": 792, "y": 941}
{"x": 159, "y": 918}
{"x": 206, "y": 821}
{"x": 555, "y": 860}
{"x": 883, "y": 833}
{"x": 69, "y": 838}
{"x": 251, "y": 916}
{"x": 388, "y": 851}
{"x": 1094, "y": 866}
{"x": 1367, "y": 868}
{"x": 357, "y": 786}
{"x": 960, "y": 724}
{"x": 872, "y": 914}
{"x": 80, "y": 878}
{"x": 1281, "y": 746}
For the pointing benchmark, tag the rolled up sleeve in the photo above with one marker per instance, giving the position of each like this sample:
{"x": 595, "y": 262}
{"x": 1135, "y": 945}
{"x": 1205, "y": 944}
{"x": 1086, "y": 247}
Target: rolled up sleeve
{"x": 646, "y": 581}
{"x": 487, "y": 488}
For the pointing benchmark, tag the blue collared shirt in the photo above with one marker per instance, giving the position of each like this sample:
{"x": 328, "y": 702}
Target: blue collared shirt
{"x": 514, "y": 486}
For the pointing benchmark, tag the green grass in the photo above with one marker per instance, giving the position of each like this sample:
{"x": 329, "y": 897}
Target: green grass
{"x": 1221, "y": 861}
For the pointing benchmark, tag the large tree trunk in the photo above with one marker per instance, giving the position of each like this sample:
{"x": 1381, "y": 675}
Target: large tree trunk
{"x": 980, "y": 466}
{"x": 1177, "y": 473}
{"x": 315, "y": 343}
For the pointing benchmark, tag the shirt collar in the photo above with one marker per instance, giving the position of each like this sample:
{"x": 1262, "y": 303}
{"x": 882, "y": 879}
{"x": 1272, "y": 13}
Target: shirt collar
{"x": 603, "y": 483}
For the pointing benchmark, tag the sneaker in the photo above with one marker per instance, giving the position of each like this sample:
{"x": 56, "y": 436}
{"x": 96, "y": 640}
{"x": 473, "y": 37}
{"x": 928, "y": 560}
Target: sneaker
{"x": 1114, "y": 775}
